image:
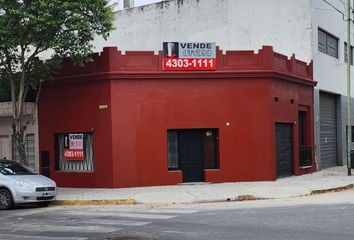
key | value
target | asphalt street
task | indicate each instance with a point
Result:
(328, 216)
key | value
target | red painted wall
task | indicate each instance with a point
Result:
(142, 112)
(130, 137)
(70, 108)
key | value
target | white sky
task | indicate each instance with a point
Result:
(144, 2)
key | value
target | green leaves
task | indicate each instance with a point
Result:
(65, 27)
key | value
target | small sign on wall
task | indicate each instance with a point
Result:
(74, 147)
(179, 56)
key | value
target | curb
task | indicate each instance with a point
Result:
(95, 202)
(336, 189)
(131, 201)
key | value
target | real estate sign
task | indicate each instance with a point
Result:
(179, 56)
(74, 147)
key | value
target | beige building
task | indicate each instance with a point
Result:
(7, 147)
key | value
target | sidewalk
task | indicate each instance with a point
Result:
(332, 179)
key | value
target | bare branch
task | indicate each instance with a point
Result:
(35, 106)
(12, 84)
(34, 54)
(21, 91)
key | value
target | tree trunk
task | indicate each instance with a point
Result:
(19, 135)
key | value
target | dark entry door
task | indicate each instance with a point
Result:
(284, 149)
(190, 151)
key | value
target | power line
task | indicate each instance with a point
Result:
(336, 9)
(344, 3)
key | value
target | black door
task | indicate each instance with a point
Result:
(190, 151)
(284, 149)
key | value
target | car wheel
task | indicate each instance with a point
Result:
(6, 201)
(43, 204)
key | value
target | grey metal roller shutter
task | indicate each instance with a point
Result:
(284, 149)
(328, 130)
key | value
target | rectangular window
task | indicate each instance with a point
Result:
(172, 144)
(74, 152)
(29, 149)
(305, 147)
(345, 53)
(327, 43)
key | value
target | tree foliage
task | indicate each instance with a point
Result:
(34, 30)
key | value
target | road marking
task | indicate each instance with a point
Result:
(99, 221)
(16, 237)
(34, 211)
(174, 232)
(58, 228)
(126, 215)
(174, 211)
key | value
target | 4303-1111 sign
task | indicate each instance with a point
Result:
(189, 64)
(189, 56)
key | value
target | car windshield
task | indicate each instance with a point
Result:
(14, 168)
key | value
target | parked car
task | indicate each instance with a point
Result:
(19, 185)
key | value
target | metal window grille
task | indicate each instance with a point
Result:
(85, 165)
(29, 148)
(327, 43)
(305, 156)
(345, 53)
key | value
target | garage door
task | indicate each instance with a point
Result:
(328, 130)
(284, 149)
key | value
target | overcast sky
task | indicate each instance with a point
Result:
(143, 2)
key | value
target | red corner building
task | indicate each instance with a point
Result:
(121, 121)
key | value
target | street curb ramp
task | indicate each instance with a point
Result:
(95, 202)
(335, 189)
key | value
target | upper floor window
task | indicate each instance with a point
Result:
(327, 43)
(345, 53)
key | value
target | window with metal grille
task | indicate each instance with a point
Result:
(80, 159)
(29, 148)
(327, 43)
(345, 53)
(305, 147)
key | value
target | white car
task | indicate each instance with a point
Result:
(20, 185)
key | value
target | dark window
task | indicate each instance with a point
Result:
(305, 148)
(209, 141)
(352, 133)
(172, 149)
(74, 152)
(327, 43)
(345, 53)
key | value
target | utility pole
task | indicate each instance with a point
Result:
(349, 126)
